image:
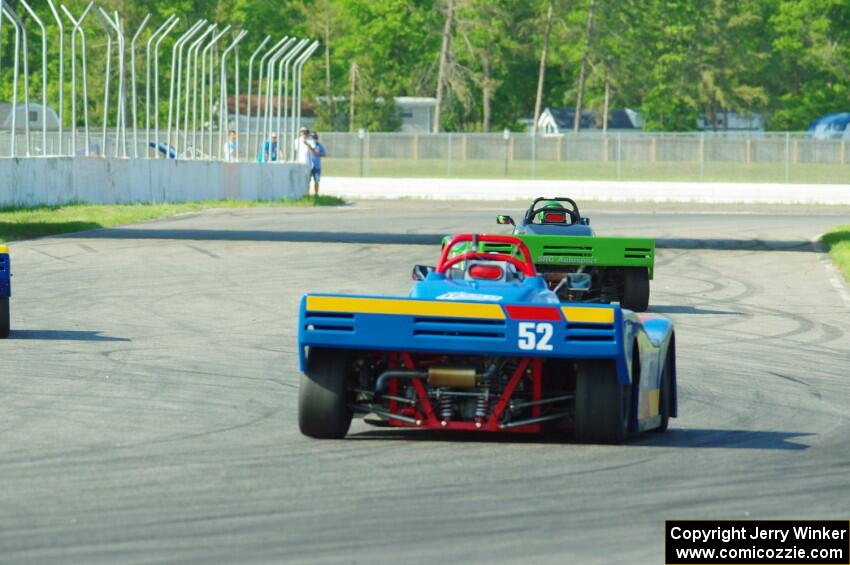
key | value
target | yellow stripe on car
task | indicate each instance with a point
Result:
(4, 249)
(405, 307)
(583, 315)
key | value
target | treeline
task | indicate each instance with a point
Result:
(673, 60)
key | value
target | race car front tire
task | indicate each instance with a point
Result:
(5, 324)
(635, 294)
(323, 410)
(602, 406)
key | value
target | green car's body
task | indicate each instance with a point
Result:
(591, 251)
(578, 264)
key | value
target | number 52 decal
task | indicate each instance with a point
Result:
(535, 336)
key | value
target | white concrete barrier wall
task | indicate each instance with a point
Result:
(58, 180)
(613, 191)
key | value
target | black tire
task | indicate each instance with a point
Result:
(5, 324)
(323, 410)
(603, 405)
(635, 294)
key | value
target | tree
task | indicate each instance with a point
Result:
(444, 56)
(325, 19)
(584, 60)
(542, 72)
(810, 62)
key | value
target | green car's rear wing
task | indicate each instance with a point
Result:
(595, 251)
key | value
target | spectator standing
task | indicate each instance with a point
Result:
(305, 146)
(316, 153)
(231, 149)
(271, 150)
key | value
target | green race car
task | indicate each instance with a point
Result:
(578, 264)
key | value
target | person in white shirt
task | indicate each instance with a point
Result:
(305, 145)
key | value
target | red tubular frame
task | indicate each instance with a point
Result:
(526, 265)
(530, 366)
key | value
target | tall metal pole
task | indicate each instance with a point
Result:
(208, 49)
(5, 11)
(270, 79)
(288, 138)
(312, 50)
(236, 88)
(122, 83)
(279, 60)
(193, 49)
(282, 86)
(39, 23)
(121, 112)
(156, 86)
(133, 79)
(213, 54)
(250, 76)
(296, 85)
(108, 31)
(78, 28)
(172, 100)
(263, 59)
(178, 46)
(20, 24)
(203, 57)
(61, 70)
(168, 22)
(203, 93)
(222, 122)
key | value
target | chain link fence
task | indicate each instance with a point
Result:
(759, 157)
(766, 157)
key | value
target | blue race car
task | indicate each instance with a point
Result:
(482, 344)
(5, 291)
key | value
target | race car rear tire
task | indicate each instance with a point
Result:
(635, 294)
(665, 401)
(603, 405)
(323, 410)
(5, 324)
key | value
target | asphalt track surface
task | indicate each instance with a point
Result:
(150, 383)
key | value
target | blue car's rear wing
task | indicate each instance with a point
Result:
(582, 331)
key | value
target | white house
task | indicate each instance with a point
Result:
(417, 113)
(560, 120)
(732, 121)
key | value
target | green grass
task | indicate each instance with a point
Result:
(804, 173)
(27, 222)
(838, 241)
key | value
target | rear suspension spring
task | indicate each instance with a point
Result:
(445, 403)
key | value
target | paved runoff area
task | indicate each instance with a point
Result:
(150, 391)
